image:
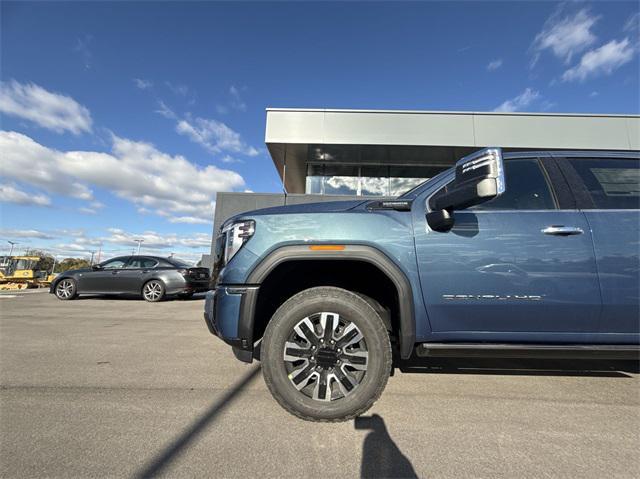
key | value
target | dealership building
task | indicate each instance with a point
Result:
(325, 155)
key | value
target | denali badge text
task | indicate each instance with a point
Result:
(500, 297)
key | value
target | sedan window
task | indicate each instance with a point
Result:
(114, 264)
(137, 263)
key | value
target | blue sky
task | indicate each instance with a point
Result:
(123, 120)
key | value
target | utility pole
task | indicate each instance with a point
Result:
(12, 243)
(55, 260)
(91, 262)
(138, 241)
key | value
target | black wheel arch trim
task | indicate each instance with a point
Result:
(351, 252)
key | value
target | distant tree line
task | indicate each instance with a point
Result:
(47, 260)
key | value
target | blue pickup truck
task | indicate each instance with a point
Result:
(512, 255)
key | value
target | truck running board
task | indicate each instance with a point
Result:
(550, 351)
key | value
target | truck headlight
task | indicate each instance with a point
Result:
(235, 235)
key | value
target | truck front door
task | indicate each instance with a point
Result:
(517, 268)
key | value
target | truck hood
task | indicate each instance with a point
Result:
(304, 208)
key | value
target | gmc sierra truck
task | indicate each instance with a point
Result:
(521, 254)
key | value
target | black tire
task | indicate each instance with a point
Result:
(153, 291)
(351, 308)
(66, 289)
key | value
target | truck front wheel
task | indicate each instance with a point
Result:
(326, 355)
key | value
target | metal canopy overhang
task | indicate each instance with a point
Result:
(296, 136)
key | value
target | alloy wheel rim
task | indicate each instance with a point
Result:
(152, 290)
(326, 356)
(65, 288)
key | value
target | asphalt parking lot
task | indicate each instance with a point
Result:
(120, 387)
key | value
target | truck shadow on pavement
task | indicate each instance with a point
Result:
(165, 457)
(521, 367)
(381, 457)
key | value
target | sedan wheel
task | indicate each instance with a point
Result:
(153, 291)
(66, 289)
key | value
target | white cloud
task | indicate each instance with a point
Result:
(593, 94)
(82, 47)
(171, 186)
(236, 100)
(29, 162)
(565, 35)
(142, 84)
(214, 136)
(633, 23)
(53, 111)
(189, 220)
(11, 194)
(153, 240)
(602, 60)
(230, 159)
(523, 100)
(92, 208)
(494, 64)
(115, 242)
(178, 89)
(29, 234)
(165, 111)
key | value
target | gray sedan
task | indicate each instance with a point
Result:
(152, 277)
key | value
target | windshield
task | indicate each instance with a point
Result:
(413, 192)
(25, 264)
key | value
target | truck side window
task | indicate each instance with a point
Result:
(612, 183)
(527, 188)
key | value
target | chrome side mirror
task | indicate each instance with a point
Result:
(479, 178)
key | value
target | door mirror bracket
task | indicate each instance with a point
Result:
(440, 220)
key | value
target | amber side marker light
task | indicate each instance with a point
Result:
(326, 247)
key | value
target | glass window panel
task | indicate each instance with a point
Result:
(340, 170)
(314, 185)
(374, 171)
(414, 171)
(114, 264)
(137, 263)
(398, 186)
(526, 188)
(612, 183)
(340, 185)
(370, 186)
(315, 169)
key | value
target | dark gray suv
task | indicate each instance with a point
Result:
(152, 277)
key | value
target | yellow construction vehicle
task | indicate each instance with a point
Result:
(21, 272)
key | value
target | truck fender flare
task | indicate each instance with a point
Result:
(351, 252)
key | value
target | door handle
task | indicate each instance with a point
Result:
(562, 230)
